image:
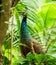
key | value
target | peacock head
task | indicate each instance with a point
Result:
(24, 13)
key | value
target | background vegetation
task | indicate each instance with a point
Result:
(42, 26)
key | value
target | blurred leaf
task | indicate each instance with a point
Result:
(48, 14)
(5, 60)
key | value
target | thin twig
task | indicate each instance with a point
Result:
(47, 47)
(11, 39)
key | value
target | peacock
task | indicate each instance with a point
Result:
(31, 45)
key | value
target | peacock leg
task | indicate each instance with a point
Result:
(32, 48)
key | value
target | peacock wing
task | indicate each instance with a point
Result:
(36, 47)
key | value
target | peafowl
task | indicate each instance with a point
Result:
(32, 45)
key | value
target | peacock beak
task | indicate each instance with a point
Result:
(24, 13)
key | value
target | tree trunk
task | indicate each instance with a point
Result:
(5, 6)
(4, 17)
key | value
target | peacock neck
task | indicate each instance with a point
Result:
(24, 28)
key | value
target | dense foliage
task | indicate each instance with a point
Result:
(42, 26)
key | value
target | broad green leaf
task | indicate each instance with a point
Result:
(48, 14)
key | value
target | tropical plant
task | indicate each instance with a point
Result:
(42, 26)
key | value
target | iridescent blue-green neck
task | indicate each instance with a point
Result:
(24, 28)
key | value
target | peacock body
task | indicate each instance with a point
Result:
(25, 38)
